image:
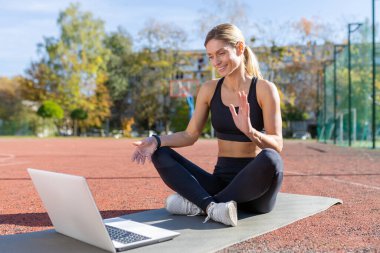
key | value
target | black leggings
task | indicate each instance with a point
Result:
(252, 182)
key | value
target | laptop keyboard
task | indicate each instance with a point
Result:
(124, 236)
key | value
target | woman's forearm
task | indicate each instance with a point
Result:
(179, 139)
(266, 140)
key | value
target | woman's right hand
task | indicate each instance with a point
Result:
(144, 150)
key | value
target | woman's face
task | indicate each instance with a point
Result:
(224, 57)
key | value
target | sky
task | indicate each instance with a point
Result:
(24, 23)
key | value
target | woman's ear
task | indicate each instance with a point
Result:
(240, 47)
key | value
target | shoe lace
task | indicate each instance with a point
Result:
(193, 209)
(210, 212)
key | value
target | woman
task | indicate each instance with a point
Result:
(249, 169)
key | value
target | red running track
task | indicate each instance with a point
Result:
(121, 187)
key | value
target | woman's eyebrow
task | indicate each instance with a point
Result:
(217, 51)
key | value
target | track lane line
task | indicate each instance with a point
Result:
(7, 157)
(338, 180)
(11, 164)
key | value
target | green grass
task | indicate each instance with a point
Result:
(355, 144)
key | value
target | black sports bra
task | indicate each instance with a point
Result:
(221, 118)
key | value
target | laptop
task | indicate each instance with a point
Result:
(73, 212)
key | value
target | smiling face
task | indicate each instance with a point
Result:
(224, 57)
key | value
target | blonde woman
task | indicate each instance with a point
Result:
(245, 113)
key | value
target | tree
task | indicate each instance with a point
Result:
(148, 89)
(78, 115)
(73, 66)
(16, 118)
(228, 11)
(158, 64)
(122, 67)
(10, 101)
(296, 68)
(361, 83)
(157, 35)
(49, 110)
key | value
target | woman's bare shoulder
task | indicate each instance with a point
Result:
(265, 87)
(263, 84)
(266, 90)
(207, 90)
(210, 84)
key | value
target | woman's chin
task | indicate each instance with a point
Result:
(223, 73)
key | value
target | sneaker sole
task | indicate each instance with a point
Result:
(177, 197)
(232, 211)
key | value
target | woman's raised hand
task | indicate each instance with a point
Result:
(144, 150)
(242, 119)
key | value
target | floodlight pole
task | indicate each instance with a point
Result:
(336, 48)
(355, 26)
(373, 78)
(325, 97)
(324, 102)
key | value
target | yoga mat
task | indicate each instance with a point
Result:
(195, 235)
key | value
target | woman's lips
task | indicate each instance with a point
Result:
(222, 68)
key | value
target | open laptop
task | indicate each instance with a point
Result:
(73, 212)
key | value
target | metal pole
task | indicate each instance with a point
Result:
(336, 47)
(324, 101)
(349, 85)
(373, 78)
(319, 125)
(335, 102)
(357, 25)
(318, 102)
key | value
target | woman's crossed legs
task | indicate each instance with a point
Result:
(254, 187)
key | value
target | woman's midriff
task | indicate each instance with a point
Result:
(237, 149)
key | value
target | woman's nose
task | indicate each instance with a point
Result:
(216, 61)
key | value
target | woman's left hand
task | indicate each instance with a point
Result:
(242, 119)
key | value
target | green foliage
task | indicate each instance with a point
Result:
(79, 114)
(121, 65)
(292, 113)
(72, 68)
(154, 67)
(10, 101)
(85, 68)
(50, 109)
(180, 116)
(15, 117)
(297, 69)
(361, 92)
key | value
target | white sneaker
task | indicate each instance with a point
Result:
(176, 204)
(225, 213)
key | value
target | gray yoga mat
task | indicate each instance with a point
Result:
(195, 235)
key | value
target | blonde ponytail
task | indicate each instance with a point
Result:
(251, 64)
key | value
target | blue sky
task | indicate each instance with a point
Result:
(24, 23)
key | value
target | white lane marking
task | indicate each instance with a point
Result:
(294, 173)
(353, 183)
(11, 164)
(5, 157)
(338, 180)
